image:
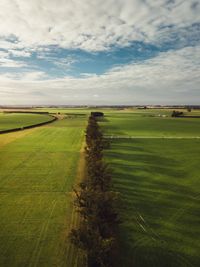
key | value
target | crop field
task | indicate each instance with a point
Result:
(15, 120)
(155, 162)
(156, 171)
(37, 170)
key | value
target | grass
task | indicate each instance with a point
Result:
(158, 180)
(16, 120)
(140, 124)
(37, 170)
(159, 184)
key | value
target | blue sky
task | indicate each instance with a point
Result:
(94, 52)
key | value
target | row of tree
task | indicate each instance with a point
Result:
(96, 202)
(176, 113)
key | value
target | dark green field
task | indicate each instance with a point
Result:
(159, 182)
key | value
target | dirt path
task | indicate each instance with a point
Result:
(149, 137)
(70, 253)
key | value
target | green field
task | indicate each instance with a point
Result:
(37, 170)
(159, 182)
(155, 161)
(139, 124)
(17, 120)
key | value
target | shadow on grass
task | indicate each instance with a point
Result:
(159, 210)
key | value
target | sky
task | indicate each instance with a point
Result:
(113, 52)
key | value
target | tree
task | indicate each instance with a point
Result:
(96, 202)
(176, 113)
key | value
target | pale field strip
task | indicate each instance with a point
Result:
(149, 137)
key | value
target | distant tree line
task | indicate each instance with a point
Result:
(96, 202)
(26, 111)
(177, 113)
(29, 126)
(97, 114)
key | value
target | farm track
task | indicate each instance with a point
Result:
(73, 258)
(151, 236)
(149, 137)
(43, 233)
(183, 210)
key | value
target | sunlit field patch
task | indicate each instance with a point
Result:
(37, 171)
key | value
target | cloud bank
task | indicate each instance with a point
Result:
(95, 25)
(170, 78)
(33, 72)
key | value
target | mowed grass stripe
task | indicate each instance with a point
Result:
(37, 171)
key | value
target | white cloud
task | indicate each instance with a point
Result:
(94, 25)
(34, 25)
(5, 61)
(4, 54)
(63, 62)
(170, 78)
(21, 77)
(9, 63)
(33, 76)
(19, 53)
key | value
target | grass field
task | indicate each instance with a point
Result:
(15, 120)
(37, 170)
(143, 124)
(159, 182)
(156, 173)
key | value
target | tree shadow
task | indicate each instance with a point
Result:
(155, 204)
